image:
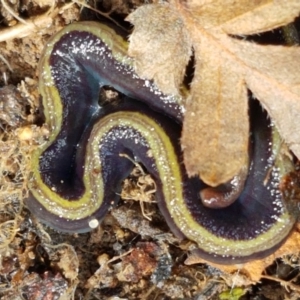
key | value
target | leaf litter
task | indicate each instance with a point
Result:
(216, 125)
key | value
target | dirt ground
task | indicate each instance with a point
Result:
(129, 256)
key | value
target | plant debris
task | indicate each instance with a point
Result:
(216, 125)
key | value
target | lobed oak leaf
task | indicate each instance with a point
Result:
(216, 130)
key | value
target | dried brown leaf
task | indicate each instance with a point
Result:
(243, 16)
(270, 72)
(160, 45)
(215, 130)
(274, 80)
(266, 16)
(213, 85)
(211, 14)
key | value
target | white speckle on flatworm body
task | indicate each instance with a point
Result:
(86, 47)
(124, 132)
(94, 223)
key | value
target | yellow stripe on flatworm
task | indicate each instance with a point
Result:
(169, 171)
(53, 106)
(221, 246)
(162, 151)
(50, 94)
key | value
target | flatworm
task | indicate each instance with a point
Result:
(76, 174)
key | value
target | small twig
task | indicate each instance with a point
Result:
(31, 25)
(5, 79)
(136, 164)
(12, 12)
(119, 256)
(6, 62)
(23, 30)
(284, 283)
